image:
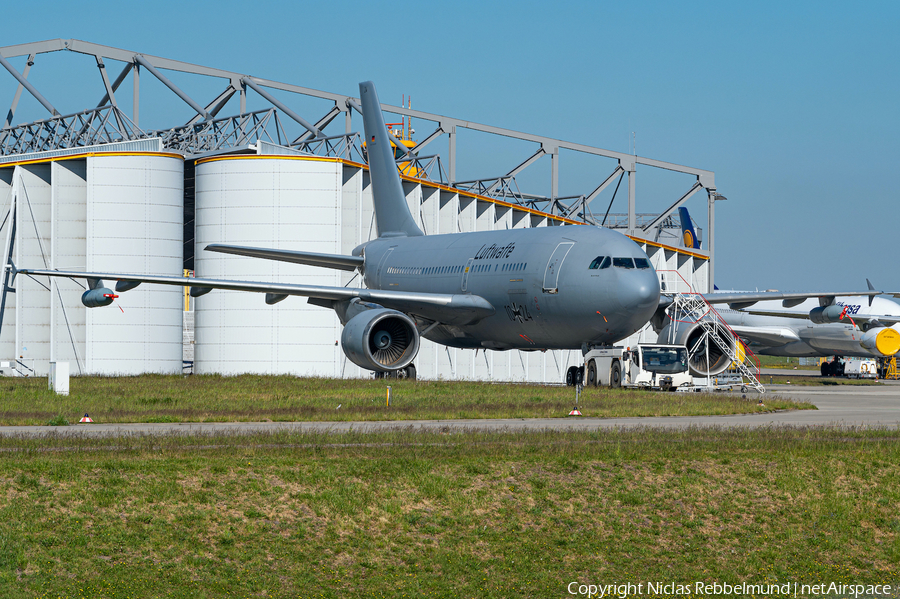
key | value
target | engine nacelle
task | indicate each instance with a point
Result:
(380, 339)
(824, 315)
(97, 298)
(882, 341)
(705, 356)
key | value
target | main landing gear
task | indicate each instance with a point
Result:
(833, 368)
(404, 373)
(574, 375)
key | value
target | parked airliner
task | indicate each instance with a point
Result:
(557, 287)
(533, 289)
(828, 325)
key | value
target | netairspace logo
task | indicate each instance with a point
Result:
(718, 589)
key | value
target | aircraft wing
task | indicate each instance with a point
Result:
(337, 261)
(738, 300)
(456, 309)
(885, 319)
(771, 336)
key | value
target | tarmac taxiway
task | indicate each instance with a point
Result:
(838, 405)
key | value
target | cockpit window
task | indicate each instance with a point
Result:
(623, 262)
(597, 262)
(600, 262)
(642, 263)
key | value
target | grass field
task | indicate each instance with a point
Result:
(436, 515)
(784, 362)
(198, 398)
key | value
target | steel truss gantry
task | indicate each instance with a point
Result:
(205, 132)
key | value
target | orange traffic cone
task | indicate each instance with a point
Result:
(85, 419)
(575, 412)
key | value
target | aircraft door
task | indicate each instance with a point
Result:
(551, 274)
(465, 276)
(381, 266)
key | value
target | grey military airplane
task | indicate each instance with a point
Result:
(533, 289)
(570, 287)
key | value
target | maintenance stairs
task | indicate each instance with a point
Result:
(890, 371)
(692, 308)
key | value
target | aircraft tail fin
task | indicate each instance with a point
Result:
(687, 230)
(392, 215)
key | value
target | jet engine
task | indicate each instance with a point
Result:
(380, 339)
(705, 355)
(882, 341)
(824, 315)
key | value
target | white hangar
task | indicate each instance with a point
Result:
(91, 190)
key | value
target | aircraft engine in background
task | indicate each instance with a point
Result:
(881, 341)
(380, 339)
(825, 315)
(705, 356)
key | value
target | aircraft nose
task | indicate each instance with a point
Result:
(640, 293)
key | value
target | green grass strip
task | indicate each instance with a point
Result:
(445, 515)
(211, 398)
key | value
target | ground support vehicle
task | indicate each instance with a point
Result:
(860, 368)
(661, 367)
(726, 381)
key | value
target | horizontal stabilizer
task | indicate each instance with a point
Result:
(337, 261)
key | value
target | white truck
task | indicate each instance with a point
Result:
(645, 366)
(860, 368)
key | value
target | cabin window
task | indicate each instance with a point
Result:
(623, 262)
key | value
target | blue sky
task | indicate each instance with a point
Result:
(795, 106)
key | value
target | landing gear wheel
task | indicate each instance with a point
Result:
(615, 376)
(410, 372)
(592, 374)
(379, 374)
(579, 376)
(570, 376)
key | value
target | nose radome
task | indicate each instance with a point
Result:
(640, 294)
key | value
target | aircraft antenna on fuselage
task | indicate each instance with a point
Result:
(392, 215)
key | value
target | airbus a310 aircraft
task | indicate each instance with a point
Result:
(536, 288)
(569, 287)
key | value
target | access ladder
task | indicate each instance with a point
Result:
(694, 309)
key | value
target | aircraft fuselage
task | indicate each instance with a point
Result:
(539, 280)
